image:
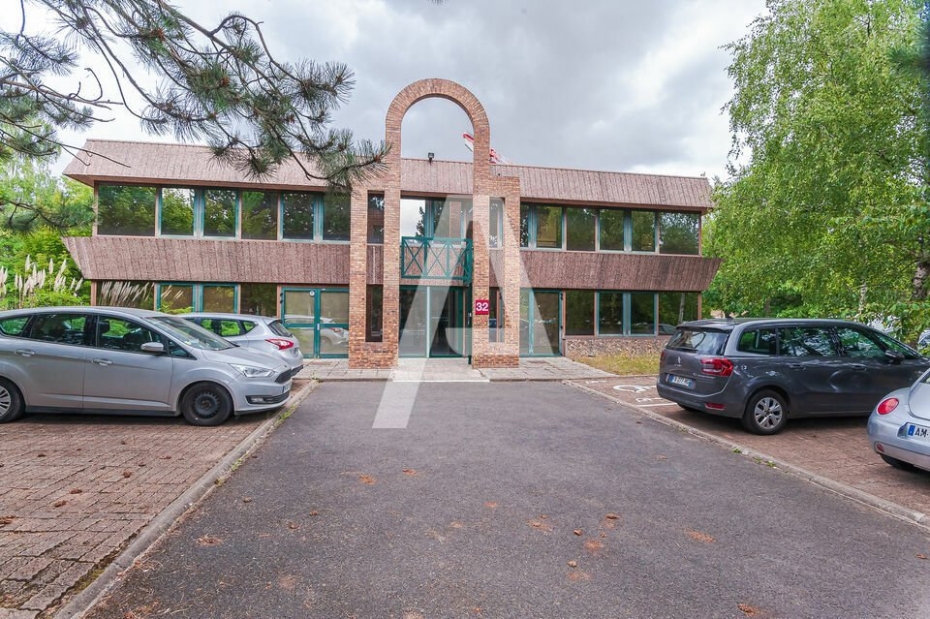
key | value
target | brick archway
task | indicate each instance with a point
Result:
(484, 185)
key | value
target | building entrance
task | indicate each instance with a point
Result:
(433, 322)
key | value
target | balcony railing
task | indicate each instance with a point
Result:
(423, 257)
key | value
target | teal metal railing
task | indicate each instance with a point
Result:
(424, 257)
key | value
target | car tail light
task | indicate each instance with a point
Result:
(717, 366)
(282, 344)
(886, 406)
(713, 406)
(337, 330)
(662, 356)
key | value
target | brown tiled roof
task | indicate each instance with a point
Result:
(147, 162)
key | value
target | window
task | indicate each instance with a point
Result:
(176, 297)
(644, 231)
(642, 313)
(612, 223)
(219, 299)
(679, 233)
(496, 223)
(297, 216)
(260, 215)
(119, 334)
(806, 342)
(59, 328)
(676, 308)
(859, 344)
(219, 212)
(373, 317)
(524, 225)
(126, 210)
(258, 299)
(610, 313)
(336, 217)
(177, 211)
(579, 312)
(757, 341)
(140, 295)
(699, 341)
(375, 219)
(581, 229)
(13, 326)
(222, 327)
(549, 227)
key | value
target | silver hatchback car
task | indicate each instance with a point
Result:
(128, 361)
(263, 333)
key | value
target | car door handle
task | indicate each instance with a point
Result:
(796, 366)
(857, 367)
(25, 352)
(102, 361)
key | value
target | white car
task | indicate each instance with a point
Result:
(263, 333)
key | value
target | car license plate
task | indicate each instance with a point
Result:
(679, 380)
(921, 433)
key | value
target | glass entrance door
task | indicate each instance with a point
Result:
(319, 319)
(540, 322)
(298, 309)
(432, 322)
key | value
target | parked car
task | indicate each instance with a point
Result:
(899, 427)
(263, 333)
(127, 361)
(765, 371)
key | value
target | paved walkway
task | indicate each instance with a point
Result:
(453, 370)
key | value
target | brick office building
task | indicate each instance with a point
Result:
(562, 261)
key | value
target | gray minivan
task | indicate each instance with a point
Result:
(129, 361)
(764, 371)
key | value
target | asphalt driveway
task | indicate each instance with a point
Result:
(500, 500)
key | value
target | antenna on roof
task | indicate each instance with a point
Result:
(470, 145)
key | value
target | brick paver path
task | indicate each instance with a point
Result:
(74, 490)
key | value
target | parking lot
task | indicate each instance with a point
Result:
(836, 449)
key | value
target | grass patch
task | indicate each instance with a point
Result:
(625, 364)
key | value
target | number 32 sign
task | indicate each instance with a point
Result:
(482, 307)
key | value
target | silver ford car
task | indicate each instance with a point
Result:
(129, 361)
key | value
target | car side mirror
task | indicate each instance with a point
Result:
(894, 356)
(153, 347)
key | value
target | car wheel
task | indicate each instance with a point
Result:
(898, 464)
(206, 404)
(11, 402)
(766, 413)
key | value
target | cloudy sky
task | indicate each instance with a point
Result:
(624, 85)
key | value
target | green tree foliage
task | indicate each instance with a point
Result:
(218, 84)
(31, 197)
(824, 213)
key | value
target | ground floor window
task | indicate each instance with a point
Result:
(179, 298)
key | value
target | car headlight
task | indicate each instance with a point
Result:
(252, 372)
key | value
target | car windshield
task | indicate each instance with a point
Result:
(190, 334)
(699, 340)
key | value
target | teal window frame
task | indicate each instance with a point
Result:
(532, 217)
(627, 313)
(197, 293)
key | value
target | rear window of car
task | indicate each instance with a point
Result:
(699, 340)
(247, 325)
(277, 327)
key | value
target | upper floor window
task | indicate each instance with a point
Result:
(126, 210)
(580, 229)
(376, 218)
(679, 233)
(260, 215)
(297, 216)
(337, 217)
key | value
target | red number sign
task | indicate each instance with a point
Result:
(482, 307)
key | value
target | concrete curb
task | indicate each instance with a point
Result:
(162, 523)
(892, 509)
